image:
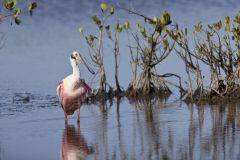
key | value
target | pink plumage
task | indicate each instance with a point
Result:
(71, 103)
(73, 91)
(74, 145)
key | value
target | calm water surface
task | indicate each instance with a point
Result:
(34, 59)
(154, 129)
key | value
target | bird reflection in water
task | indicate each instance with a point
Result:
(74, 146)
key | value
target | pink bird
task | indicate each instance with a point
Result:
(74, 145)
(72, 90)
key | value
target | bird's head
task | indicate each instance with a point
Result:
(76, 56)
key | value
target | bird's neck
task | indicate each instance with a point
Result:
(76, 72)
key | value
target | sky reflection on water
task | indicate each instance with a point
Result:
(155, 129)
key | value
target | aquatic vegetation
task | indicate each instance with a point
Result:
(217, 47)
(95, 45)
(153, 39)
(151, 46)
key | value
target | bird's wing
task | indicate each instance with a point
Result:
(87, 87)
(59, 87)
(60, 91)
(82, 88)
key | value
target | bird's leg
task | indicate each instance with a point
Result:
(78, 126)
(78, 115)
(66, 123)
(65, 116)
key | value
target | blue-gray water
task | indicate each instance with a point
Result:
(34, 59)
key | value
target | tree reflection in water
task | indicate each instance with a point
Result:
(154, 131)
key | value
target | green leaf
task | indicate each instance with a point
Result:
(6, 3)
(165, 18)
(175, 35)
(81, 30)
(226, 20)
(112, 10)
(109, 34)
(96, 20)
(118, 28)
(227, 28)
(17, 21)
(10, 5)
(237, 19)
(92, 37)
(13, 4)
(218, 25)
(137, 25)
(236, 32)
(142, 30)
(108, 31)
(155, 20)
(34, 5)
(126, 25)
(17, 12)
(7, 6)
(107, 28)
(29, 6)
(103, 7)
(226, 23)
(198, 28)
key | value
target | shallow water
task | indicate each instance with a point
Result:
(156, 129)
(34, 59)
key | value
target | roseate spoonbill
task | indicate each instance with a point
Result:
(74, 145)
(72, 90)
